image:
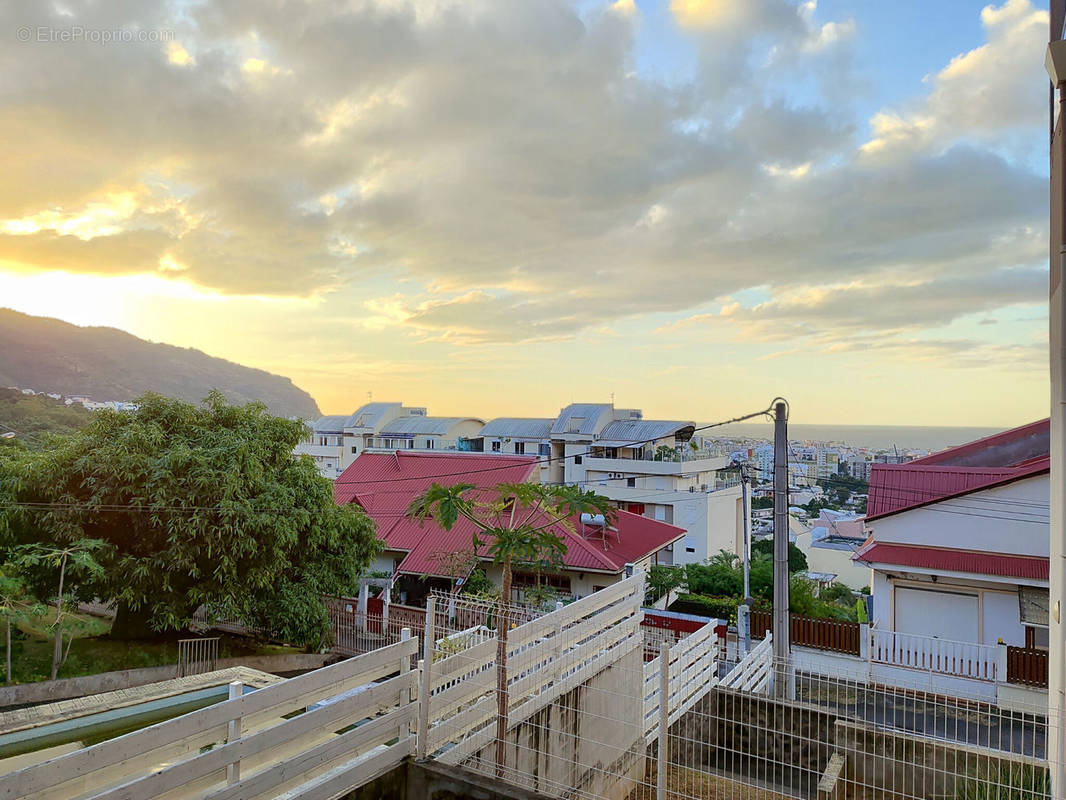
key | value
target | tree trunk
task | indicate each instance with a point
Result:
(501, 670)
(57, 650)
(130, 624)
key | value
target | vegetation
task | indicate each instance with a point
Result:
(762, 502)
(797, 562)
(1006, 781)
(72, 563)
(517, 524)
(716, 587)
(35, 417)
(109, 364)
(195, 505)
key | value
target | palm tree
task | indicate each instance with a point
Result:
(514, 524)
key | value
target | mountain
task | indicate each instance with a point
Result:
(108, 364)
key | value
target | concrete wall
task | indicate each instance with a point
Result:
(785, 744)
(590, 739)
(66, 688)
(907, 766)
(415, 780)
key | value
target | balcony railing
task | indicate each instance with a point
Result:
(1027, 666)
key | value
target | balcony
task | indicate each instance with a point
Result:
(694, 461)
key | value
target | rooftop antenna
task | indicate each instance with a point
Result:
(612, 399)
(369, 397)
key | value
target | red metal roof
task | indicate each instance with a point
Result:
(946, 559)
(992, 461)
(385, 484)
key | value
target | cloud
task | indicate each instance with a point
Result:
(981, 94)
(502, 172)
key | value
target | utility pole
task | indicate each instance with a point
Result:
(1056, 745)
(783, 687)
(744, 613)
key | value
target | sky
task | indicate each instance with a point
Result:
(496, 209)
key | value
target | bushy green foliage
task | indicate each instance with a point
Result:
(703, 606)
(762, 502)
(797, 562)
(661, 579)
(198, 505)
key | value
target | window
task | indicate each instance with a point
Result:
(577, 459)
(520, 448)
(544, 449)
(690, 549)
(495, 447)
(635, 508)
(631, 482)
(429, 444)
(354, 449)
(612, 452)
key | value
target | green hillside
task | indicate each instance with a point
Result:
(32, 417)
(108, 364)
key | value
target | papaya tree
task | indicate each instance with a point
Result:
(513, 524)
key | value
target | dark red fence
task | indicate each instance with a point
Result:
(822, 634)
(1027, 666)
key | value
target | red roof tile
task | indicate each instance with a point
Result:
(946, 559)
(992, 461)
(384, 484)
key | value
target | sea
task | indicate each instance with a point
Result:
(873, 437)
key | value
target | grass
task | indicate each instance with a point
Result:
(92, 652)
(683, 783)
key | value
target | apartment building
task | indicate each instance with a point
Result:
(334, 442)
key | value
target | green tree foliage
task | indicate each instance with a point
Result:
(73, 563)
(198, 505)
(797, 562)
(762, 502)
(517, 524)
(661, 579)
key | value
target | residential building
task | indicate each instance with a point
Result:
(417, 554)
(959, 541)
(655, 468)
(334, 442)
(514, 436)
(829, 544)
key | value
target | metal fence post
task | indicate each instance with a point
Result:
(664, 720)
(427, 677)
(557, 648)
(233, 769)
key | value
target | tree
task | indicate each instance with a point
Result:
(80, 559)
(200, 506)
(762, 502)
(797, 562)
(662, 579)
(513, 524)
(16, 603)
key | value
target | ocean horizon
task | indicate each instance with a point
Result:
(878, 437)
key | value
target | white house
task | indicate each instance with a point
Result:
(829, 544)
(958, 541)
(334, 442)
(655, 468)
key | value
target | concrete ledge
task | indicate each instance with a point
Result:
(43, 714)
(66, 688)
(830, 786)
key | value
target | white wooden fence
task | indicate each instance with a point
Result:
(962, 659)
(245, 747)
(547, 657)
(752, 673)
(692, 672)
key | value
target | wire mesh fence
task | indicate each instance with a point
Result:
(575, 709)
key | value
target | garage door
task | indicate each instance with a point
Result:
(947, 615)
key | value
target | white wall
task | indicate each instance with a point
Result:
(994, 520)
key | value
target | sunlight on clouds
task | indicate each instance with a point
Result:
(627, 8)
(706, 13)
(779, 171)
(100, 218)
(179, 56)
